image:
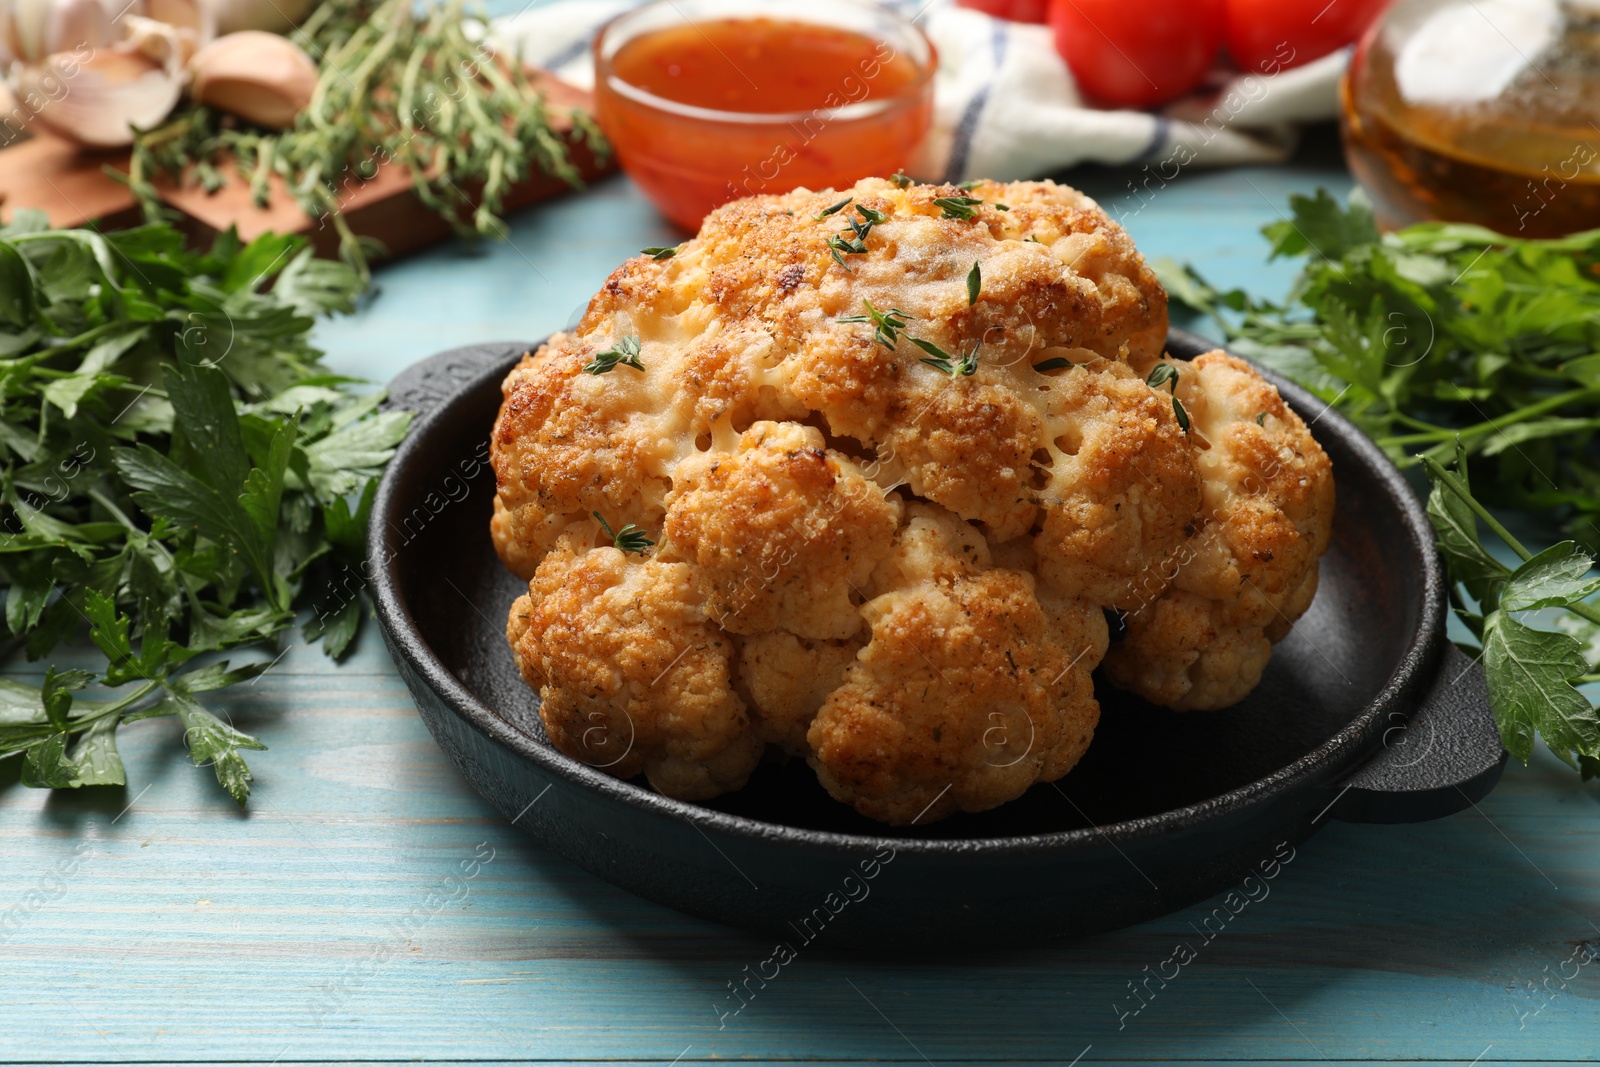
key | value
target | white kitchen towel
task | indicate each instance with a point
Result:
(1006, 106)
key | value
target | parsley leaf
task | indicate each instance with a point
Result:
(215, 743)
(1553, 578)
(1529, 673)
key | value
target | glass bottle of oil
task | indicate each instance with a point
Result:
(1483, 111)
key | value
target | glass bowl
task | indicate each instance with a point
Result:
(689, 159)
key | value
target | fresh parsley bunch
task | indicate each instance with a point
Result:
(179, 476)
(1445, 341)
(1435, 332)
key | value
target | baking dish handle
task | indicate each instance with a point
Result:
(1442, 757)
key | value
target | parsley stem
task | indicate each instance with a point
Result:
(111, 709)
(1549, 403)
(1459, 488)
(117, 513)
(132, 698)
(84, 339)
(1452, 482)
(1419, 424)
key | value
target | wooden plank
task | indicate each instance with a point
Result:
(187, 931)
(304, 929)
(51, 174)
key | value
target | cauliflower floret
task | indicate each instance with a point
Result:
(971, 450)
(1267, 512)
(1179, 654)
(567, 443)
(885, 461)
(1133, 306)
(782, 532)
(521, 560)
(968, 692)
(631, 676)
(523, 536)
(1250, 569)
(787, 678)
(1122, 489)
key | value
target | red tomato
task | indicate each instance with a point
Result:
(1267, 36)
(1015, 10)
(1138, 53)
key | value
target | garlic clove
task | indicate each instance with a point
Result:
(274, 16)
(184, 15)
(256, 75)
(98, 101)
(192, 20)
(31, 30)
(160, 42)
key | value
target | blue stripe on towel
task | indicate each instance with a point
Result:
(572, 51)
(1158, 140)
(961, 145)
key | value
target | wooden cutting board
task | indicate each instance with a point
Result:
(71, 186)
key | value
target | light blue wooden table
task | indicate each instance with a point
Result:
(159, 924)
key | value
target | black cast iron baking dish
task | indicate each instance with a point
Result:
(1367, 713)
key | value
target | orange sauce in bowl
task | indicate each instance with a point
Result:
(701, 113)
(756, 65)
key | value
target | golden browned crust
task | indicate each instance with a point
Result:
(1122, 487)
(1178, 652)
(969, 690)
(787, 678)
(1133, 305)
(631, 676)
(862, 553)
(1250, 568)
(782, 532)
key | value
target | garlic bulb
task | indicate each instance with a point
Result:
(111, 92)
(258, 76)
(273, 16)
(31, 30)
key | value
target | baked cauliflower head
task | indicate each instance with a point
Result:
(856, 476)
